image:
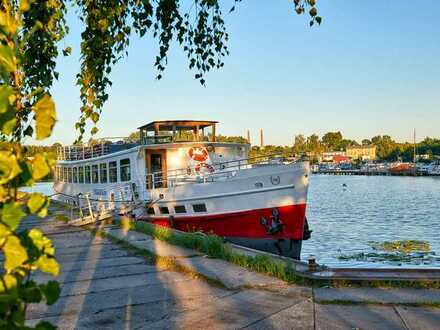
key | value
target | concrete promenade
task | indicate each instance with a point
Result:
(104, 286)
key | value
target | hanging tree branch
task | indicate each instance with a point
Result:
(200, 31)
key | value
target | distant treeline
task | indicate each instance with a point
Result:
(386, 148)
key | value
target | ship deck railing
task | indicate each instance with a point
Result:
(82, 152)
(213, 172)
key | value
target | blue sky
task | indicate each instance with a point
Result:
(372, 67)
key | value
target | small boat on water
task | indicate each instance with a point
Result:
(183, 178)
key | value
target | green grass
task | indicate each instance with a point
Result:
(368, 302)
(214, 247)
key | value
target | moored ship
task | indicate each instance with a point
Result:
(183, 178)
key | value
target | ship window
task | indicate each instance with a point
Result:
(164, 210)
(75, 175)
(103, 170)
(113, 171)
(81, 174)
(95, 178)
(64, 174)
(69, 174)
(179, 209)
(199, 207)
(58, 175)
(87, 174)
(125, 169)
(150, 210)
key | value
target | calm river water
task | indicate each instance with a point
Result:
(372, 208)
(346, 213)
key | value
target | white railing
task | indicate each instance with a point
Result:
(211, 172)
(82, 152)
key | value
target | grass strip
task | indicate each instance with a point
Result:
(379, 303)
(214, 247)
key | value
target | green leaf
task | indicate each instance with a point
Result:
(67, 51)
(9, 167)
(44, 325)
(51, 291)
(31, 295)
(7, 122)
(36, 202)
(7, 97)
(43, 243)
(4, 233)
(40, 168)
(11, 214)
(48, 265)
(45, 116)
(15, 253)
(7, 283)
(7, 60)
(24, 5)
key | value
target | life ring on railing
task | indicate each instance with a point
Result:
(198, 154)
(200, 166)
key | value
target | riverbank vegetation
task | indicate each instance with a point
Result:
(214, 247)
(395, 252)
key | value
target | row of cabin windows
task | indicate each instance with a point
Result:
(96, 173)
(178, 209)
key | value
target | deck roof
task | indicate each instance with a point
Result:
(168, 125)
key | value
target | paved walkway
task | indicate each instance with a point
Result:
(104, 287)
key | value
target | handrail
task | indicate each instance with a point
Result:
(224, 169)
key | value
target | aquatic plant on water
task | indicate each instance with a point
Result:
(401, 251)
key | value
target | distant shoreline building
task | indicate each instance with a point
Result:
(364, 152)
(335, 157)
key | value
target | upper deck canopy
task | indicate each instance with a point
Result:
(177, 130)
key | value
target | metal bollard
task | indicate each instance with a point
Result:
(313, 266)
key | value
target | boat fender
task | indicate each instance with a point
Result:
(209, 167)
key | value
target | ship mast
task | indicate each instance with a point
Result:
(415, 148)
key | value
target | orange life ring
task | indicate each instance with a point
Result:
(198, 154)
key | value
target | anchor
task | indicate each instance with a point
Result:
(274, 225)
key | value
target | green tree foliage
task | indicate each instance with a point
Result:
(29, 32)
(332, 140)
(299, 145)
(230, 139)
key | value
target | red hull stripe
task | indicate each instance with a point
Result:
(240, 224)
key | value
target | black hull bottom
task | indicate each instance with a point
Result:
(284, 247)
